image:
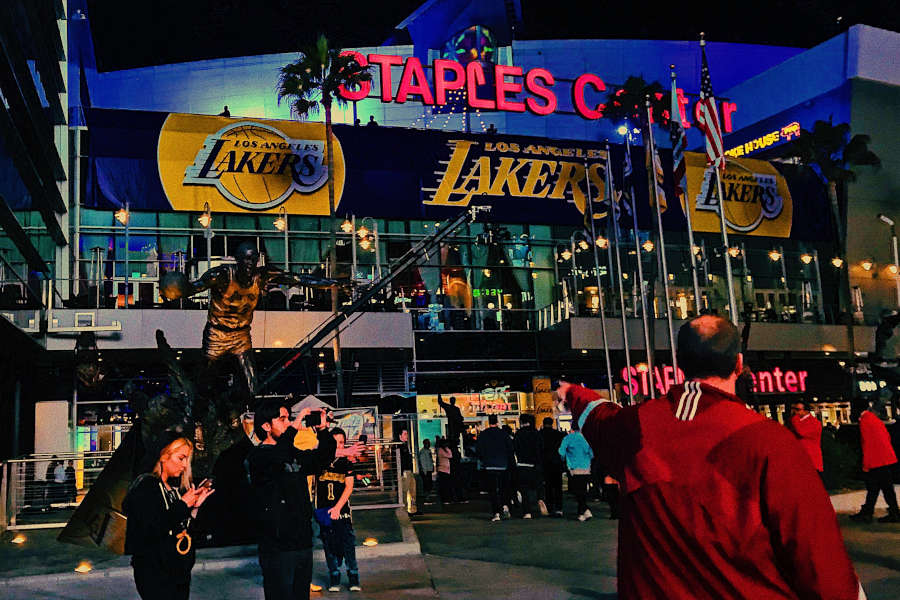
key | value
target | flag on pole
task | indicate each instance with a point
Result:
(679, 142)
(660, 175)
(708, 116)
(627, 171)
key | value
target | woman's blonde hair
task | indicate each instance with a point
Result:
(167, 451)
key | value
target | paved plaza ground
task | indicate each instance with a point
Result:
(463, 555)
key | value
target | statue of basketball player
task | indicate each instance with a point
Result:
(234, 292)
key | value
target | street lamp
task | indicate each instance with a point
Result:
(205, 221)
(896, 266)
(123, 216)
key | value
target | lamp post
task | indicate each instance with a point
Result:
(205, 221)
(123, 215)
(281, 224)
(896, 270)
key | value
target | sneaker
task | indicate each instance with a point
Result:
(890, 518)
(334, 583)
(506, 514)
(557, 513)
(526, 516)
(542, 506)
(495, 518)
(588, 513)
(861, 517)
(354, 582)
(585, 516)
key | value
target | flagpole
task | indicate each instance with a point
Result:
(676, 114)
(589, 210)
(645, 318)
(614, 220)
(729, 276)
(662, 241)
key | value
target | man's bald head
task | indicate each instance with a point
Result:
(708, 346)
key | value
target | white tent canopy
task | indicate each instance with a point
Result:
(310, 402)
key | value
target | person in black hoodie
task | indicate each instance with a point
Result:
(159, 517)
(529, 459)
(553, 466)
(282, 508)
(494, 450)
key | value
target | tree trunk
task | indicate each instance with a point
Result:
(332, 259)
(844, 293)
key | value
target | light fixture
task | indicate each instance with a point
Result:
(370, 541)
(84, 567)
(487, 272)
(892, 269)
(749, 278)
(622, 130)
(365, 243)
(347, 226)
(642, 367)
(867, 264)
(774, 255)
(490, 305)
(624, 275)
(583, 351)
(566, 254)
(709, 276)
(734, 252)
(19, 539)
(583, 244)
(602, 242)
(205, 219)
(696, 249)
(280, 223)
(806, 258)
(122, 215)
(362, 232)
(838, 262)
(647, 246)
(534, 275)
(321, 365)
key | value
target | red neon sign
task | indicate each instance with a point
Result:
(773, 381)
(509, 81)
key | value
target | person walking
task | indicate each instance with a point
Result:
(407, 474)
(529, 455)
(334, 485)
(160, 506)
(878, 459)
(426, 466)
(553, 466)
(281, 504)
(577, 454)
(808, 430)
(494, 450)
(722, 502)
(444, 456)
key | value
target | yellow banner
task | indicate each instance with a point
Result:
(239, 165)
(757, 199)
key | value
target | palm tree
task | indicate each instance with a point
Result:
(311, 84)
(830, 152)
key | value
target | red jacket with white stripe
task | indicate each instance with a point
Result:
(809, 431)
(877, 450)
(718, 502)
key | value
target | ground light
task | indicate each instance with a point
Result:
(18, 539)
(84, 567)
(370, 541)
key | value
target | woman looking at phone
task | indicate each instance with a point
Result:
(160, 506)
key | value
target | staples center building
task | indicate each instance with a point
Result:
(464, 114)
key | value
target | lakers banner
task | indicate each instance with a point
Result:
(246, 164)
(757, 198)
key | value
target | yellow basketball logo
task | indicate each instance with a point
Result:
(248, 165)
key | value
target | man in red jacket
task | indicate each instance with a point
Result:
(877, 459)
(717, 501)
(808, 430)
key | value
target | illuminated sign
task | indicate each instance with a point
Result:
(491, 400)
(516, 170)
(664, 377)
(785, 134)
(757, 199)
(509, 82)
(253, 165)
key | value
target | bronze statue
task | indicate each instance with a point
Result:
(234, 292)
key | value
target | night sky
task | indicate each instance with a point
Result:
(181, 30)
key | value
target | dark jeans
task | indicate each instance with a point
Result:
(152, 584)
(880, 480)
(578, 485)
(553, 488)
(529, 481)
(427, 481)
(287, 574)
(445, 487)
(493, 484)
(339, 543)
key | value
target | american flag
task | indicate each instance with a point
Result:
(679, 141)
(627, 184)
(709, 117)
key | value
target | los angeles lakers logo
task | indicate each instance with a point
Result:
(254, 165)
